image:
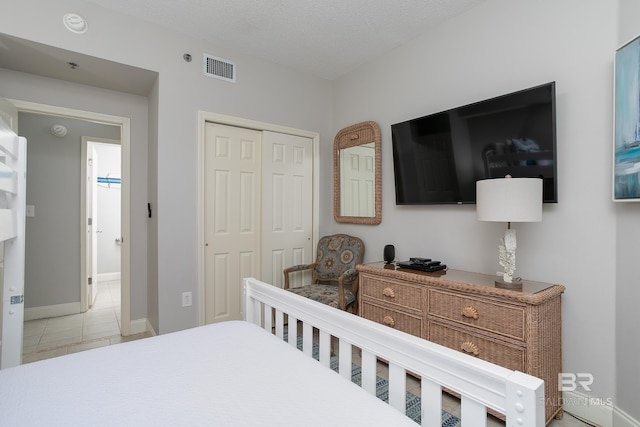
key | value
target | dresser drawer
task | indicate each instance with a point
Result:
(500, 353)
(400, 321)
(501, 318)
(392, 291)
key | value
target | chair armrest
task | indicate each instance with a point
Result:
(350, 274)
(300, 267)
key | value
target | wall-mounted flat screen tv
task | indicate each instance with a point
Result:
(438, 158)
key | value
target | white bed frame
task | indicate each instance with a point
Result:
(13, 169)
(480, 384)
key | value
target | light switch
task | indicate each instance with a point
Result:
(187, 299)
(30, 211)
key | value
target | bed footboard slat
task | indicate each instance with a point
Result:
(325, 348)
(344, 359)
(279, 324)
(431, 398)
(292, 331)
(473, 412)
(268, 318)
(253, 312)
(369, 372)
(307, 339)
(397, 386)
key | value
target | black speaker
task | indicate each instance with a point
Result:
(389, 253)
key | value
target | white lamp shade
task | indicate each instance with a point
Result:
(509, 200)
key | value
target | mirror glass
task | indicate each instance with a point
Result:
(357, 197)
(357, 180)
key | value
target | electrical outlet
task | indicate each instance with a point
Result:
(187, 299)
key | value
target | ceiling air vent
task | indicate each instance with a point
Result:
(219, 68)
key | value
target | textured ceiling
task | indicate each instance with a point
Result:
(327, 38)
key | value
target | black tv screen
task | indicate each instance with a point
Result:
(438, 158)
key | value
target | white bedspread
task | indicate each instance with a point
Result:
(227, 374)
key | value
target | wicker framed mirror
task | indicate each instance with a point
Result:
(357, 182)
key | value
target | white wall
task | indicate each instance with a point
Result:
(263, 92)
(499, 47)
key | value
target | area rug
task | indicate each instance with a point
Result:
(413, 407)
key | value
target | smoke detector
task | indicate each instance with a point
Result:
(58, 130)
(75, 23)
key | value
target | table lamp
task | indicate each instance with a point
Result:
(509, 200)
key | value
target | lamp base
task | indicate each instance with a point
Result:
(516, 284)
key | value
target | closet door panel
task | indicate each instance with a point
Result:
(287, 217)
(231, 217)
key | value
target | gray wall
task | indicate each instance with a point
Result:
(499, 47)
(31, 88)
(52, 270)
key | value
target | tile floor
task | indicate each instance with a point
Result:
(57, 336)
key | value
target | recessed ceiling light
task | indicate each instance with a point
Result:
(75, 23)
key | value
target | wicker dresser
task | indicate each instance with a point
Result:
(520, 330)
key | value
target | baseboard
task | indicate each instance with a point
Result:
(596, 410)
(46, 311)
(150, 329)
(622, 419)
(107, 277)
(140, 326)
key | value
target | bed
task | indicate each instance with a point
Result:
(271, 369)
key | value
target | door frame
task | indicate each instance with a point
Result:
(205, 117)
(125, 141)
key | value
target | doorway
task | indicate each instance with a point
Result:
(102, 182)
(124, 125)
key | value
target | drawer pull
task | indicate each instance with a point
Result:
(388, 292)
(469, 347)
(470, 312)
(388, 320)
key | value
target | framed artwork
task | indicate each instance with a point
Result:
(626, 152)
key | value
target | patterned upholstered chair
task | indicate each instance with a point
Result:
(334, 278)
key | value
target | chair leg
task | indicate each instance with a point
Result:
(355, 308)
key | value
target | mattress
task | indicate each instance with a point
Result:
(226, 374)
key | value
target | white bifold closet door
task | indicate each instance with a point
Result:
(258, 211)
